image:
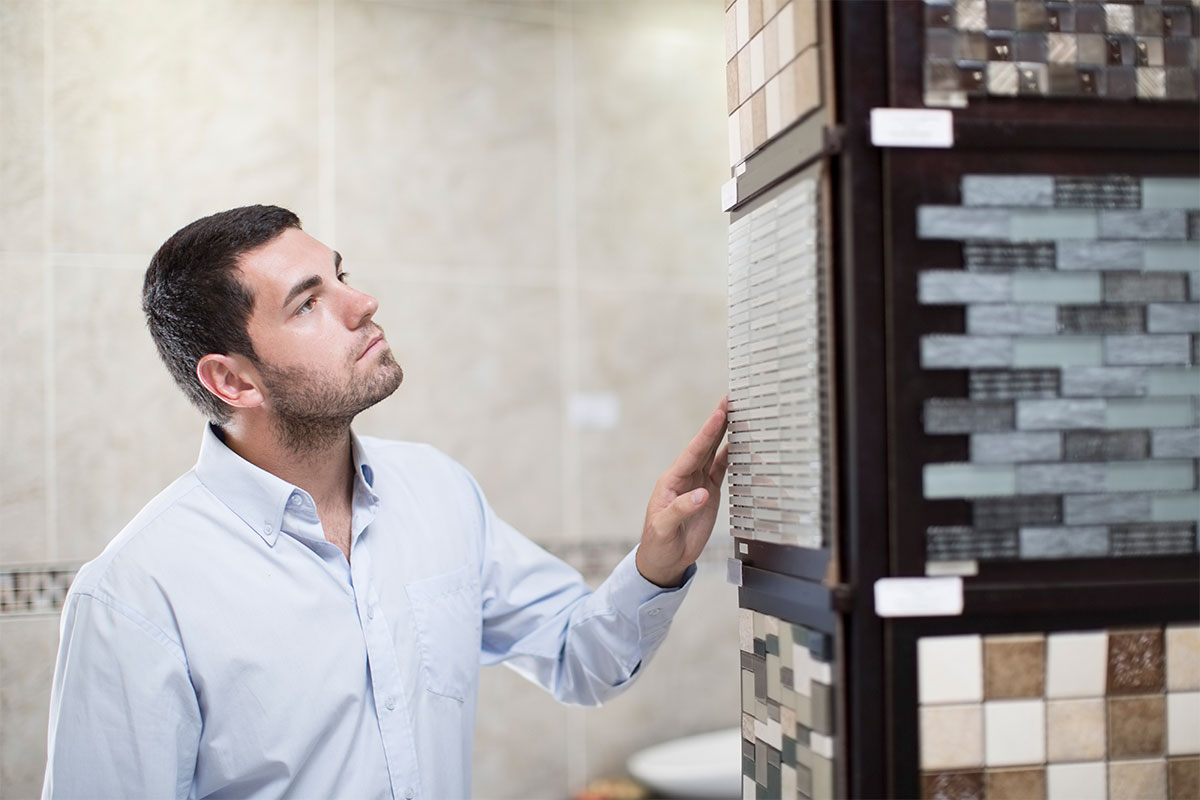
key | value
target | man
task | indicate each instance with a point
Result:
(304, 612)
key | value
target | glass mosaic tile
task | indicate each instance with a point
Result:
(1086, 509)
(961, 543)
(1086, 192)
(1105, 445)
(982, 256)
(967, 416)
(1013, 384)
(1012, 513)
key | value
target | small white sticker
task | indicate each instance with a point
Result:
(595, 411)
(729, 194)
(919, 597)
(912, 127)
(733, 571)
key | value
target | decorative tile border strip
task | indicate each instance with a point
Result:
(34, 590)
(788, 710)
(1111, 713)
(1082, 347)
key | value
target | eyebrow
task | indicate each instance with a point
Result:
(311, 282)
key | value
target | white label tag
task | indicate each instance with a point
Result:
(733, 571)
(919, 597)
(729, 194)
(912, 127)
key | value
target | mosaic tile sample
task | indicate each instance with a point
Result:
(1116, 51)
(1108, 713)
(788, 732)
(35, 591)
(779, 428)
(773, 72)
(1082, 418)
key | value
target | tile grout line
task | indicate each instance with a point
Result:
(49, 344)
(326, 123)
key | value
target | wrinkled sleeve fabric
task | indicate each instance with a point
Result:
(543, 620)
(124, 718)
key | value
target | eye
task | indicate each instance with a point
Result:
(306, 307)
(342, 276)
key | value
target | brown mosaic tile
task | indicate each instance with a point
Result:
(1137, 780)
(1183, 778)
(1135, 662)
(1137, 726)
(1014, 666)
(953, 786)
(1016, 784)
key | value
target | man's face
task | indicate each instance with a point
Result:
(321, 356)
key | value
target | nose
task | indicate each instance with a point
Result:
(361, 307)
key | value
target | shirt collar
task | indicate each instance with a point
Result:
(259, 497)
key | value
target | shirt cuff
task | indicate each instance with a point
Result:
(636, 598)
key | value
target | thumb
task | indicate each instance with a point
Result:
(682, 507)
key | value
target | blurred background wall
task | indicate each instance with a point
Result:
(531, 189)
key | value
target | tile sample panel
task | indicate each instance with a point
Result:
(1115, 51)
(788, 733)
(1083, 380)
(779, 427)
(1062, 714)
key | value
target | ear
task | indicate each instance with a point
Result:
(231, 378)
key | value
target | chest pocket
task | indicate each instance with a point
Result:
(446, 609)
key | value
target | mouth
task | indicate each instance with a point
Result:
(377, 343)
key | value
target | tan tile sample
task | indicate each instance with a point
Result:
(808, 82)
(743, 71)
(1183, 778)
(951, 736)
(758, 117)
(1183, 658)
(1014, 666)
(1137, 780)
(1076, 730)
(806, 23)
(732, 98)
(1137, 726)
(1016, 784)
(1135, 661)
(756, 16)
(953, 786)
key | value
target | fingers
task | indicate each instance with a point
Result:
(682, 507)
(720, 464)
(699, 452)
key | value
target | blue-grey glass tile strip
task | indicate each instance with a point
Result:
(1150, 412)
(968, 480)
(1061, 478)
(1101, 319)
(1104, 381)
(1041, 415)
(1171, 192)
(953, 416)
(1004, 513)
(1116, 191)
(1006, 384)
(1175, 443)
(1007, 190)
(1158, 224)
(1093, 255)
(1171, 256)
(1056, 224)
(1194, 225)
(1086, 541)
(1175, 507)
(1056, 351)
(1173, 318)
(1164, 475)
(1173, 381)
(1146, 349)
(1194, 286)
(1008, 318)
(953, 287)
(1010, 448)
(957, 352)
(956, 222)
(1004, 256)
(1152, 540)
(1106, 445)
(960, 543)
(1141, 288)
(1059, 287)
(1091, 509)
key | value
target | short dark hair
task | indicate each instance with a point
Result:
(193, 300)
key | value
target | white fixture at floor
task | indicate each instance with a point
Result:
(703, 767)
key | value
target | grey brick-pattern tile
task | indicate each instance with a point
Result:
(961, 543)
(1061, 478)
(1159, 539)
(1104, 381)
(1175, 443)
(1090, 509)
(1195, 348)
(1145, 349)
(1004, 513)
(1012, 319)
(1173, 318)
(1085, 541)
(1057, 415)
(1092, 255)
(954, 416)
(1102, 319)
(1113, 191)
(1154, 224)
(1055, 224)
(1007, 190)
(1106, 445)
(1009, 384)
(1194, 225)
(965, 352)
(952, 287)
(1011, 448)
(1194, 286)
(1144, 288)
(956, 222)
(982, 256)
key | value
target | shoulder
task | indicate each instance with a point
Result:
(416, 462)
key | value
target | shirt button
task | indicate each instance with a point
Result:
(654, 612)
(390, 703)
(296, 500)
(370, 612)
(267, 527)
(409, 794)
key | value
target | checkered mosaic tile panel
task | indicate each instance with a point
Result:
(787, 710)
(1082, 344)
(1122, 51)
(34, 590)
(1083, 714)
(773, 74)
(779, 428)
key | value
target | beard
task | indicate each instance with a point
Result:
(312, 410)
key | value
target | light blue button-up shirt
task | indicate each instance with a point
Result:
(221, 647)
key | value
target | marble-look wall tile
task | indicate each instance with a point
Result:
(951, 736)
(1076, 730)
(22, 126)
(1073, 781)
(1076, 664)
(140, 112)
(1183, 777)
(1014, 732)
(1183, 723)
(1183, 657)
(1014, 666)
(1137, 779)
(27, 648)
(1137, 726)
(950, 669)
(1016, 784)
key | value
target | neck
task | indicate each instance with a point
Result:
(321, 464)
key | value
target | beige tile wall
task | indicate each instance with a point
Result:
(531, 189)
